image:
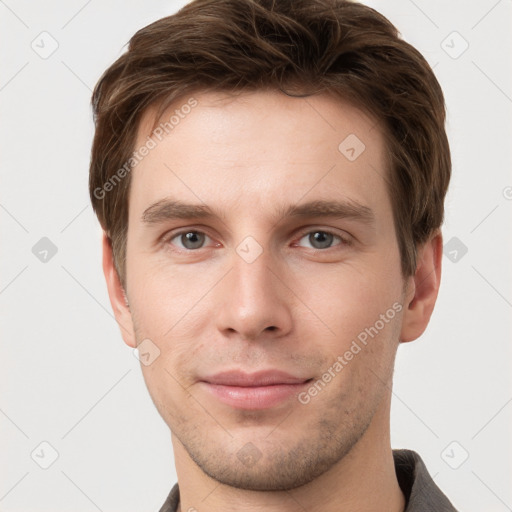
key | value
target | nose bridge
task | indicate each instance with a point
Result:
(252, 258)
(252, 272)
(254, 299)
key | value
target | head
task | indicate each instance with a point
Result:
(270, 179)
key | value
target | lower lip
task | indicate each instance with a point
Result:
(258, 397)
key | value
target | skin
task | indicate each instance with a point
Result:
(297, 307)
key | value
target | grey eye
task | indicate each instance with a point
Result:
(191, 239)
(320, 239)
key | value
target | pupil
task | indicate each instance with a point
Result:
(321, 238)
(192, 240)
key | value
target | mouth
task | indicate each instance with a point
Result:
(252, 391)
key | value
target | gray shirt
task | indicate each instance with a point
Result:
(420, 491)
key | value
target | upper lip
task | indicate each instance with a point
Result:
(261, 378)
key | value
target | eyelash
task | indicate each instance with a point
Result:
(344, 241)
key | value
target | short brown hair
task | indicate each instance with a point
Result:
(309, 46)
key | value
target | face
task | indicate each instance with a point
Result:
(263, 265)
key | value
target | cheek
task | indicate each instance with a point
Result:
(166, 299)
(364, 315)
(350, 298)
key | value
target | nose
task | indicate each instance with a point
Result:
(254, 303)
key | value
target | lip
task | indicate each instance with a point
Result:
(260, 390)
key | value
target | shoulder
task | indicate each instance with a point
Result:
(171, 503)
(421, 492)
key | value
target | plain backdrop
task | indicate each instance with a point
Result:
(72, 394)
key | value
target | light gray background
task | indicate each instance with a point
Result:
(68, 379)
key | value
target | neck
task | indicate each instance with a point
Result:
(364, 480)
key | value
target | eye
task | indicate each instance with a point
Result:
(320, 239)
(189, 240)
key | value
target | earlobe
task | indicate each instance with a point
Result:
(422, 289)
(117, 295)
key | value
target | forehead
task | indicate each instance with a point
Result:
(255, 149)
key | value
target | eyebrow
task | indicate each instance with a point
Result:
(170, 209)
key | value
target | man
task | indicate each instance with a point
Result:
(270, 178)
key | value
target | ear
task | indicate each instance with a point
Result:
(117, 295)
(422, 289)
